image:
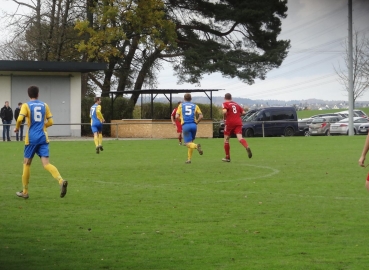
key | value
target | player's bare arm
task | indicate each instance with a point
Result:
(364, 152)
(172, 118)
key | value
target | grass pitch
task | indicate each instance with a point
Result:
(299, 203)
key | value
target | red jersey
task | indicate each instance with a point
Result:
(174, 112)
(233, 115)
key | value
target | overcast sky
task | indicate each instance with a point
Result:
(318, 30)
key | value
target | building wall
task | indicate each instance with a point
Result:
(74, 97)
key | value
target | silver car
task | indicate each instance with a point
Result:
(321, 125)
(341, 127)
(363, 129)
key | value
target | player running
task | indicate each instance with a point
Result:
(187, 112)
(39, 118)
(177, 123)
(97, 121)
(233, 124)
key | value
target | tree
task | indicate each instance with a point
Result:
(360, 61)
(237, 38)
(45, 34)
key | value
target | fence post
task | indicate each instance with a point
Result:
(116, 130)
(262, 125)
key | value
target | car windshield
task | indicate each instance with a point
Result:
(360, 113)
(305, 120)
(251, 117)
(356, 120)
(318, 120)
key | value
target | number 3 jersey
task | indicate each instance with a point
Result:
(37, 113)
(234, 111)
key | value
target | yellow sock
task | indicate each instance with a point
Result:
(25, 178)
(100, 139)
(54, 172)
(192, 145)
(96, 140)
(189, 153)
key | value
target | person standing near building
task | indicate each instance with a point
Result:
(7, 117)
(233, 125)
(19, 137)
(97, 121)
(187, 112)
(176, 122)
(39, 118)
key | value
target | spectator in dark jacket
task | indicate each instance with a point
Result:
(19, 135)
(7, 117)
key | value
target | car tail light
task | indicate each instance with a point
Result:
(343, 125)
(323, 125)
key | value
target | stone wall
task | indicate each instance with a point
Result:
(148, 128)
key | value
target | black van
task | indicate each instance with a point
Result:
(244, 117)
(272, 121)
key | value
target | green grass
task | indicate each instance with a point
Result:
(308, 113)
(299, 203)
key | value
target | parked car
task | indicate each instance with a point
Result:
(321, 125)
(357, 113)
(363, 129)
(303, 126)
(342, 115)
(342, 126)
(271, 121)
(244, 117)
(361, 113)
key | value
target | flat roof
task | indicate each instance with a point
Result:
(163, 91)
(46, 66)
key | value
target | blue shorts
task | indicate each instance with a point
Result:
(96, 127)
(42, 150)
(189, 132)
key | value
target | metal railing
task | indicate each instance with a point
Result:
(216, 124)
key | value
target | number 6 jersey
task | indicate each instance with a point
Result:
(37, 113)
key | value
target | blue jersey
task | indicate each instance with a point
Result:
(95, 114)
(187, 112)
(37, 113)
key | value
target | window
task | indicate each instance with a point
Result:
(283, 115)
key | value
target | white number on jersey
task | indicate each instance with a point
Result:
(188, 110)
(37, 116)
(234, 109)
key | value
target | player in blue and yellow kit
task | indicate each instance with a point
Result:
(39, 118)
(97, 121)
(187, 112)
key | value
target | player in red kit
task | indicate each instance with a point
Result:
(233, 124)
(177, 123)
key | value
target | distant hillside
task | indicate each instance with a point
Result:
(250, 102)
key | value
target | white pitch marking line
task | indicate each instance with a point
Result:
(274, 171)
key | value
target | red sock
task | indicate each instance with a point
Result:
(244, 143)
(227, 147)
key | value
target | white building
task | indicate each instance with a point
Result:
(60, 88)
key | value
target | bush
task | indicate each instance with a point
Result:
(122, 110)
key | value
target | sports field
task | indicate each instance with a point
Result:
(299, 203)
